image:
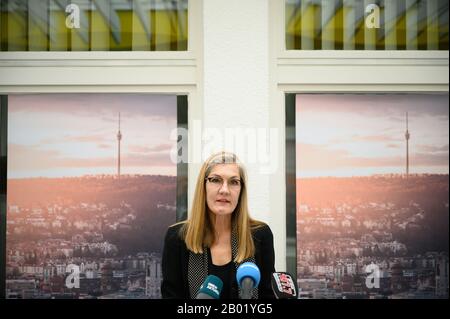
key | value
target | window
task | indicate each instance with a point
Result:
(94, 25)
(366, 24)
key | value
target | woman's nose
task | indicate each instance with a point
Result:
(224, 188)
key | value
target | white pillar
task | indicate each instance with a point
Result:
(236, 81)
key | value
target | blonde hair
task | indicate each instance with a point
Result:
(198, 230)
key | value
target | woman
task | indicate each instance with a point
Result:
(218, 236)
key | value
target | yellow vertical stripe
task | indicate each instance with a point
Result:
(59, 32)
(290, 23)
(173, 29)
(2, 28)
(141, 33)
(307, 25)
(163, 30)
(3, 39)
(126, 29)
(153, 28)
(17, 31)
(183, 27)
(100, 32)
(294, 14)
(339, 26)
(390, 25)
(432, 25)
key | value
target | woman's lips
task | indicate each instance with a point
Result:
(222, 201)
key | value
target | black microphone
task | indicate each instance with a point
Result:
(211, 288)
(284, 286)
(247, 276)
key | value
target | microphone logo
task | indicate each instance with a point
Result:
(285, 284)
(213, 288)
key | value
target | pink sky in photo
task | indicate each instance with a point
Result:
(61, 135)
(361, 135)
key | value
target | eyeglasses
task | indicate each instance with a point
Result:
(217, 182)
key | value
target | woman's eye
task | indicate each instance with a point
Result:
(234, 182)
(215, 180)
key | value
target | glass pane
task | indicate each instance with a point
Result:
(371, 195)
(366, 24)
(93, 25)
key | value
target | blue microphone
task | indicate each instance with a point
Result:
(247, 276)
(211, 288)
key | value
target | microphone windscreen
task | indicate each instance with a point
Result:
(212, 286)
(248, 270)
(284, 286)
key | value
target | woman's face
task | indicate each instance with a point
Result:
(223, 186)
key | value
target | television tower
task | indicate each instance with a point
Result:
(407, 146)
(119, 137)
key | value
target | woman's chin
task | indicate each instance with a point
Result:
(222, 212)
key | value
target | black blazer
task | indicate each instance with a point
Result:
(176, 258)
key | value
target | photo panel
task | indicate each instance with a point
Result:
(371, 195)
(93, 182)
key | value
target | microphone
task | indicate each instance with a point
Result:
(247, 276)
(210, 288)
(284, 286)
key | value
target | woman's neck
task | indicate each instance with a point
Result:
(222, 228)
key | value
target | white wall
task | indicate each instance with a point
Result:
(236, 95)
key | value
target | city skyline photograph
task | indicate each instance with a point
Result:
(372, 191)
(90, 185)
